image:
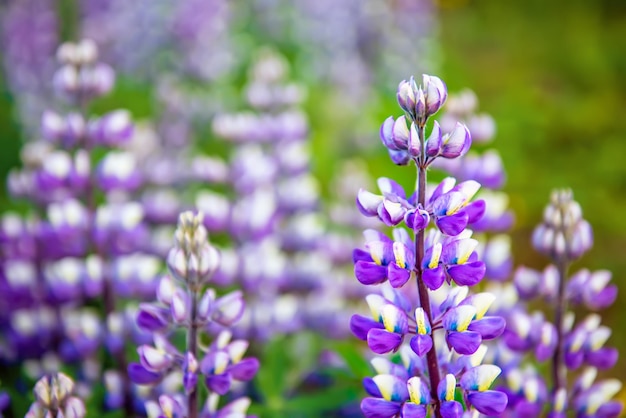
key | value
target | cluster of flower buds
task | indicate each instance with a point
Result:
(53, 398)
(192, 260)
(568, 345)
(442, 261)
(81, 77)
(564, 234)
(189, 305)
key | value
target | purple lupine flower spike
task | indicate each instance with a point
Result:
(440, 330)
(570, 347)
(186, 302)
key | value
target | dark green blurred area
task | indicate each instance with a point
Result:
(553, 76)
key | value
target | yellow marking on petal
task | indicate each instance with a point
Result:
(465, 315)
(488, 373)
(559, 400)
(400, 254)
(420, 320)
(599, 337)
(456, 202)
(390, 317)
(531, 390)
(436, 255)
(482, 302)
(376, 251)
(605, 392)
(414, 385)
(375, 302)
(466, 247)
(477, 358)
(579, 339)
(450, 387)
(514, 380)
(384, 382)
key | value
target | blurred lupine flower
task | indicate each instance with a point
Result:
(444, 254)
(53, 398)
(568, 345)
(86, 240)
(188, 304)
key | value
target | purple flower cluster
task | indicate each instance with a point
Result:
(186, 304)
(277, 256)
(443, 372)
(571, 346)
(84, 240)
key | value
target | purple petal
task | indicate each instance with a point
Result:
(475, 211)
(398, 276)
(604, 298)
(389, 187)
(433, 278)
(467, 274)
(464, 342)
(368, 202)
(138, 374)
(612, 409)
(371, 387)
(421, 344)
(360, 255)
(386, 133)
(451, 409)
(381, 341)
(604, 358)
(411, 410)
(219, 383)
(399, 157)
(490, 402)
(360, 326)
(368, 272)
(433, 144)
(574, 360)
(245, 369)
(452, 225)
(229, 308)
(379, 408)
(488, 327)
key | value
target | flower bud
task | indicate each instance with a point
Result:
(205, 306)
(177, 263)
(180, 308)
(414, 144)
(154, 359)
(457, 143)
(165, 290)
(406, 95)
(436, 93)
(229, 308)
(434, 141)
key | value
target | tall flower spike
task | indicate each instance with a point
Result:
(443, 338)
(566, 344)
(189, 305)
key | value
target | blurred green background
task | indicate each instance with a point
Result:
(553, 76)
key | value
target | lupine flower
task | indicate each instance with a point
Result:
(53, 397)
(563, 236)
(446, 254)
(184, 301)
